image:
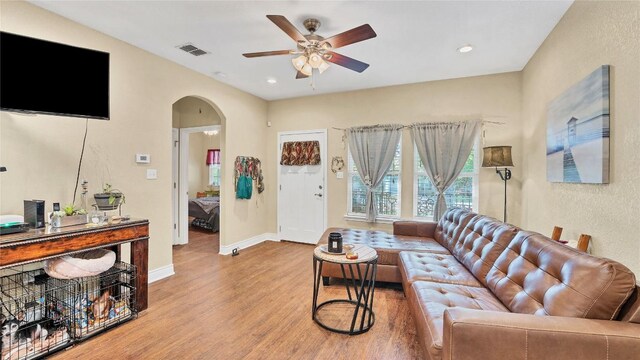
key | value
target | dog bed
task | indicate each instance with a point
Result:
(88, 263)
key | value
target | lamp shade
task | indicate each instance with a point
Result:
(315, 60)
(299, 62)
(213, 157)
(306, 69)
(323, 66)
(496, 156)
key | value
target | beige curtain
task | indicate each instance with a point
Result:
(444, 148)
(372, 149)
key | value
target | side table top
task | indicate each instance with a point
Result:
(365, 254)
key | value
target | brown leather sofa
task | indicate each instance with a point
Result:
(388, 246)
(499, 292)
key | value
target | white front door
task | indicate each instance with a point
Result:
(302, 199)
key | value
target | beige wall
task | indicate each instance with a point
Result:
(41, 152)
(590, 34)
(193, 112)
(494, 97)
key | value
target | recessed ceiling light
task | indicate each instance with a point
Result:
(220, 74)
(465, 48)
(272, 81)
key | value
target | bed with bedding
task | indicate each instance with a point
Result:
(206, 211)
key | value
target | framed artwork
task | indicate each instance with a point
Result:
(578, 132)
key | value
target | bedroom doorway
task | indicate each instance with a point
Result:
(200, 205)
(197, 135)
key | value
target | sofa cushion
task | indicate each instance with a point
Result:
(387, 245)
(480, 243)
(450, 225)
(414, 228)
(536, 275)
(428, 301)
(630, 312)
(440, 268)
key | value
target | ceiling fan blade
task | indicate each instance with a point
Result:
(300, 75)
(267, 53)
(347, 62)
(360, 33)
(287, 27)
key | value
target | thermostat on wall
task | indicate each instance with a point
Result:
(143, 158)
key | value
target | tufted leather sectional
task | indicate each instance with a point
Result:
(482, 289)
(388, 246)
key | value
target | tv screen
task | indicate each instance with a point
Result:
(45, 77)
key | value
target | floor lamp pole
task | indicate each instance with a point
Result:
(506, 176)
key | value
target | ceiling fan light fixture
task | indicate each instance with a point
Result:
(299, 62)
(315, 60)
(315, 51)
(323, 66)
(306, 69)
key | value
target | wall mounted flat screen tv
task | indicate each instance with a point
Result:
(45, 77)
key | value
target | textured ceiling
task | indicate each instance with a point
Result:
(417, 40)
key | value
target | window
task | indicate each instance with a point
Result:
(213, 162)
(462, 193)
(387, 199)
(214, 174)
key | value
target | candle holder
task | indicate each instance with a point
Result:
(335, 243)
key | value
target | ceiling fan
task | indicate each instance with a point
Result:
(314, 50)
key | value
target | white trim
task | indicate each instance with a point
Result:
(175, 180)
(379, 220)
(201, 128)
(323, 164)
(255, 240)
(183, 193)
(160, 273)
(476, 175)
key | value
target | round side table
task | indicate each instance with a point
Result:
(362, 282)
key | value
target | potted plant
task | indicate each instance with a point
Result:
(68, 216)
(109, 198)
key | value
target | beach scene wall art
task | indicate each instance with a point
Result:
(578, 132)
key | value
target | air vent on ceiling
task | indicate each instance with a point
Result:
(191, 49)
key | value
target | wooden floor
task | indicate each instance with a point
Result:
(253, 306)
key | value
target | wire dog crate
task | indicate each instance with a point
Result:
(104, 301)
(35, 315)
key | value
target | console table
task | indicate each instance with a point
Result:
(46, 243)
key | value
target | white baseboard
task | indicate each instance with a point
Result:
(255, 240)
(160, 273)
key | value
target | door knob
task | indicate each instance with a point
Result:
(318, 194)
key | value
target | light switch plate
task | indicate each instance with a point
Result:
(340, 175)
(152, 174)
